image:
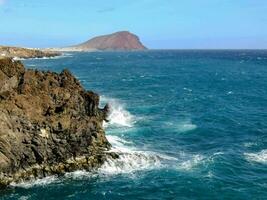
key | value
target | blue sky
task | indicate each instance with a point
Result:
(159, 23)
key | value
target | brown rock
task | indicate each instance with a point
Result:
(123, 40)
(48, 124)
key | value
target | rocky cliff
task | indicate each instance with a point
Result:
(49, 124)
(122, 40)
(25, 53)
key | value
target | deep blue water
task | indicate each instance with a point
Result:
(189, 125)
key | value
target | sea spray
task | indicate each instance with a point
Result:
(118, 116)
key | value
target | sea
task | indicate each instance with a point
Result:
(188, 124)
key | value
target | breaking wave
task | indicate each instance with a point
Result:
(130, 159)
(118, 116)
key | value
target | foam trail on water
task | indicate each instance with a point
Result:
(182, 126)
(187, 126)
(260, 157)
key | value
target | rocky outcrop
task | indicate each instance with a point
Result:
(18, 52)
(123, 40)
(49, 124)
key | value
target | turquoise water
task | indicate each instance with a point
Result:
(189, 125)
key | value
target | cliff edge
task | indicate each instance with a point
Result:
(49, 124)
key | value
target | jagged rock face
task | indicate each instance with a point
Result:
(48, 124)
(25, 53)
(122, 40)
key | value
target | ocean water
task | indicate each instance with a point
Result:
(189, 125)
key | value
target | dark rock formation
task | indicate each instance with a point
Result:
(48, 124)
(122, 40)
(19, 52)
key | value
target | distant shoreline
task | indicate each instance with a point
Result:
(25, 53)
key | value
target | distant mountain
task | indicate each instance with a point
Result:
(122, 40)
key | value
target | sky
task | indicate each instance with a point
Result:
(160, 24)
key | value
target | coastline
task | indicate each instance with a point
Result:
(25, 53)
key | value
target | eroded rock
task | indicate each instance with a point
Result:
(49, 124)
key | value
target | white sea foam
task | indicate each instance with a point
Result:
(64, 55)
(250, 144)
(79, 175)
(118, 116)
(187, 89)
(130, 159)
(129, 162)
(36, 182)
(260, 157)
(191, 162)
(182, 126)
(76, 175)
(118, 143)
(51, 58)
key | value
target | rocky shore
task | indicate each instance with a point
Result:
(18, 52)
(49, 124)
